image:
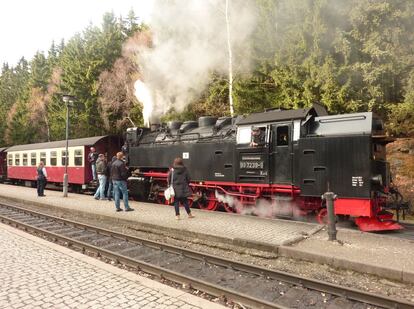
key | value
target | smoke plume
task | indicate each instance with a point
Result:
(190, 42)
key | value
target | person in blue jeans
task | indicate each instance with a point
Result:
(119, 175)
(110, 190)
(92, 158)
(101, 171)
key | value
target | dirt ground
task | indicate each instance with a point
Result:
(400, 154)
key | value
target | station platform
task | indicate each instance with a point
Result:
(382, 255)
(36, 273)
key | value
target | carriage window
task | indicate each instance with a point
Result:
(10, 159)
(25, 159)
(53, 158)
(282, 136)
(43, 157)
(64, 157)
(17, 159)
(33, 158)
(78, 157)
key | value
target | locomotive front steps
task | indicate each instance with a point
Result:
(381, 255)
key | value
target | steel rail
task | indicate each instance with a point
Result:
(160, 272)
(312, 284)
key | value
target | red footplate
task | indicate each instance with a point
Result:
(373, 224)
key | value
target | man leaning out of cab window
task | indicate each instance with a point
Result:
(258, 137)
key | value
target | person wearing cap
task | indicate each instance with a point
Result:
(258, 137)
(101, 171)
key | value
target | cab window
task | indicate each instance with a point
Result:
(378, 151)
(244, 135)
(282, 136)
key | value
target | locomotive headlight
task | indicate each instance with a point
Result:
(377, 179)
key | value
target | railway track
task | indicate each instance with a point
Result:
(246, 284)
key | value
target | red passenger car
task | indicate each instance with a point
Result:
(22, 160)
(3, 163)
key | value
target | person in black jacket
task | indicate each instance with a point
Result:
(92, 158)
(179, 177)
(41, 179)
(101, 171)
(110, 189)
(119, 176)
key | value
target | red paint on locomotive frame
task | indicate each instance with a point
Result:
(354, 207)
(365, 210)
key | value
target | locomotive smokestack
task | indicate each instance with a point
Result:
(154, 127)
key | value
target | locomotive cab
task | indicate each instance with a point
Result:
(357, 142)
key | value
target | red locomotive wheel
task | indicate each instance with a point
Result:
(161, 200)
(322, 216)
(208, 201)
(227, 207)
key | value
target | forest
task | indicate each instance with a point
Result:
(350, 56)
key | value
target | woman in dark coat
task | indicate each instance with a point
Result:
(181, 184)
(41, 179)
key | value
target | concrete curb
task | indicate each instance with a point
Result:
(384, 272)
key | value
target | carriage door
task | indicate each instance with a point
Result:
(280, 156)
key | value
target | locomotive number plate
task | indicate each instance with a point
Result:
(252, 165)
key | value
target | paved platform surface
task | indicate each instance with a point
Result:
(381, 255)
(38, 274)
(222, 225)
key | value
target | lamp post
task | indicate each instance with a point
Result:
(68, 99)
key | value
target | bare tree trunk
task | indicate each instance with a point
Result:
(230, 60)
(47, 128)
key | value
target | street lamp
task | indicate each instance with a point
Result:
(68, 99)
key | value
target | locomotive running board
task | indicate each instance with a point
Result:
(366, 224)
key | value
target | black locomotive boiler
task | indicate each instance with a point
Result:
(305, 153)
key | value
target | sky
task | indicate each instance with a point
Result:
(27, 26)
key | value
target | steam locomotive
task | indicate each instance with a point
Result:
(306, 153)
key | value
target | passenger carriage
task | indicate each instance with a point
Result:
(3, 163)
(22, 160)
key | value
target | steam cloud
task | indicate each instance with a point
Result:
(282, 206)
(189, 43)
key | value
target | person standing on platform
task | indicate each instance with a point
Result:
(125, 151)
(179, 178)
(119, 175)
(101, 171)
(41, 179)
(92, 157)
(109, 192)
